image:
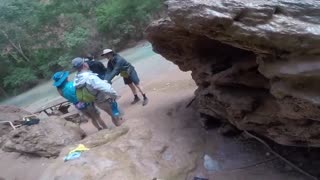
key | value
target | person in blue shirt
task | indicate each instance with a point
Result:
(67, 90)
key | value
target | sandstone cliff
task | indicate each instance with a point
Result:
(256, 63)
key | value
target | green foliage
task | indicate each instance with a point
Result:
(125, 17)
(37, 38)
(76, 38)
(20, 78)
(64, 61)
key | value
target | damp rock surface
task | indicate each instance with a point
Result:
(256, 63)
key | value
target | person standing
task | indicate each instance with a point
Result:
(118, 65)
(90, 84)
(96, 66)
(67, 90)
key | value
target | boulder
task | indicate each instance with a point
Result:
(130, 154)
(45, 139)
(99, 162)
(256, 63)
(10, 113)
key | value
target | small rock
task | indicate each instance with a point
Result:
(167, 156)
(268, 154)
(210, 164)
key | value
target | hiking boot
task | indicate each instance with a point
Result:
(136, 99)
(145, 101)
(119, 121)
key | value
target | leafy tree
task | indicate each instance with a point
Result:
(37, 38)
(20, 78)
(125, 17)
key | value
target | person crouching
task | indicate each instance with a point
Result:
(91, 88)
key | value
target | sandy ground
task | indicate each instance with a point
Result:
(169, 90)
(238, 159)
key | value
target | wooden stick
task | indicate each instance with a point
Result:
(189, 104)
(281, 157)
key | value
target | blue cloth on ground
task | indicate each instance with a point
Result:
(71, 156)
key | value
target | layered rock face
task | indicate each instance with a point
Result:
(256, 63)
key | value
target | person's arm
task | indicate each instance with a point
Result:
(108, 71)
(103, 86)
(115, 71)
(109, 67)
(60, 92)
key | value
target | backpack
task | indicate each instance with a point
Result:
(84, 95)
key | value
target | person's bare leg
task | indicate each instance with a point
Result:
(133, 88)
(139, 88)
(95, 124)
(106, 107)
(145, 99)
(134, 92)
(90, 114)
(102, 123)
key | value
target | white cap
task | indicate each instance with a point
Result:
(106, 51)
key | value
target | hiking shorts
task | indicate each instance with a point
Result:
(133, 78)
(91, 111)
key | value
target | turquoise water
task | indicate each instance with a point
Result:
(46, 92)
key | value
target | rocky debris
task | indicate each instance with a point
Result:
(256, 63)
(45, 139)
(130, 154)
(99, 162)
(10, 113)
(5, 129)
(75, 118)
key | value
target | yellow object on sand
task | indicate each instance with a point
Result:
(80, 148)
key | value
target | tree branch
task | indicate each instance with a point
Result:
(15, 47)
(2, 91)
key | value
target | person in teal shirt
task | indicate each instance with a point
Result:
(67, 90)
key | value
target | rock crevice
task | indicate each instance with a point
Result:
(256, 63)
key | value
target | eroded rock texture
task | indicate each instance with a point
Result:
(256, 63)
(45, 139)
(10, 113)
